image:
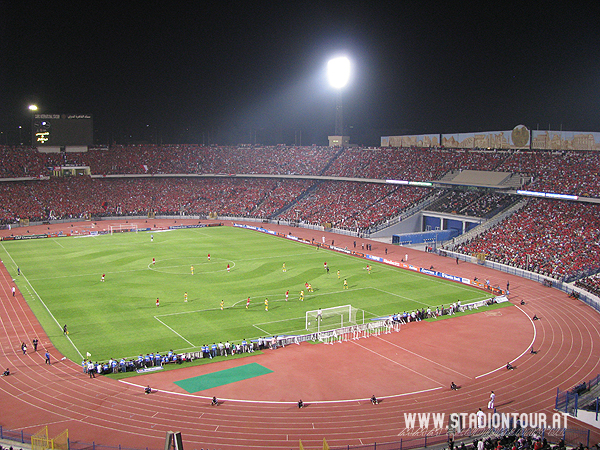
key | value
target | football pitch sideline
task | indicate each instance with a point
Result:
(201, 279)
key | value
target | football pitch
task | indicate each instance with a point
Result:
(61, 280)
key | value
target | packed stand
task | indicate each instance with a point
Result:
(590, 284)
(564, 172)
(555, 238)
(411, 164)
(352, 205)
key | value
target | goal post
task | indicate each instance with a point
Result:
(331, 318)
(123, 227)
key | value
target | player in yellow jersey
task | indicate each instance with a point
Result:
(185, 297)
(345, 284)
(284, 269)
(301, 296)
(266, 304)
(192, 269)
(338, 273)
(222, 303)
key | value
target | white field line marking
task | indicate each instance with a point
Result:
(42, 302)
(269, 402)
(422, 357)
(524, 351)
(395, 362)
(174, 331)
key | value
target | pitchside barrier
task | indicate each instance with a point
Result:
(351, 332)
(578, 396)
(42, 438)
(41, 441)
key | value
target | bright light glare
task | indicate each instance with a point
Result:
(338, 72)
(32, 107)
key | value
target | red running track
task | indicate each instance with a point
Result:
(411, 370)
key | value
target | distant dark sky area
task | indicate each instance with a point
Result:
(252, 71)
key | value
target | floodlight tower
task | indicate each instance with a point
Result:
(338, 73)
(32, 109)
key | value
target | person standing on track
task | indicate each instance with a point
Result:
(491, 402)
(91, 370)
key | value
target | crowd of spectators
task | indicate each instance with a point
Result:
(590, 284)
(514, 439)
(411, 164)
(558, 239)
(345, 204)
(352, 205)
(565, 172)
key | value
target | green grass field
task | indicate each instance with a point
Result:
(119, 318)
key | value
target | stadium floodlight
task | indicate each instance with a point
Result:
(32, 108)
(338, 72)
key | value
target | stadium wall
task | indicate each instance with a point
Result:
(519, 138)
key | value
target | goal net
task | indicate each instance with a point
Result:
(332, 318)
(123, 227)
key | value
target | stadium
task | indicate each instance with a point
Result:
(299, 225)
(269, 191)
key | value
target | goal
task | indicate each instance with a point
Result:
(123, 227)
(331, 318)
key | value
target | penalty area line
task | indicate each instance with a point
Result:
(175, 332)
(259, 328)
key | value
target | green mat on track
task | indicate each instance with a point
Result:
(222, 377)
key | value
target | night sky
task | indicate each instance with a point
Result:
(246, 71)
